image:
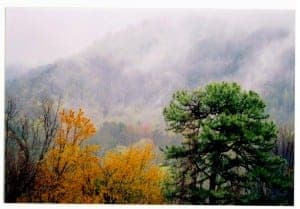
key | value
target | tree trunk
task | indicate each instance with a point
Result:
(212, 180)
(212, 186)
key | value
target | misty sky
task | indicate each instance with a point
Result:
(157, 51)
(36, 36)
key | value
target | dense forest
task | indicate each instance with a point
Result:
(229, 152)
(183, 109)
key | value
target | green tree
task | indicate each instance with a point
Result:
(226, 156)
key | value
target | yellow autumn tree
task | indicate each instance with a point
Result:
(68, 172)
(130, 175)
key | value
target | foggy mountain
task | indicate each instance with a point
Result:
(131, 75)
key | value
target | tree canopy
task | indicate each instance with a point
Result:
(226, 156)
(69, 169)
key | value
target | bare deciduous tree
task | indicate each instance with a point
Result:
(27, 140)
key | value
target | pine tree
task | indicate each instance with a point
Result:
(226, 156)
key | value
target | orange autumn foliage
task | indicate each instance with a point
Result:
(68, 172)
(71, 171)
(130, 175)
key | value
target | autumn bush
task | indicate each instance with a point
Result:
(130, 175)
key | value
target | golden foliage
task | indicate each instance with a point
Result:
(71, 171)
(75, 128)
(129, 175)
(68, 172)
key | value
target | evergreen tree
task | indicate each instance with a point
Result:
(226, 156)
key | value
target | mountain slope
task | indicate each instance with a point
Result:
(131, 75)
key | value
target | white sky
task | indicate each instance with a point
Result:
(36, 36)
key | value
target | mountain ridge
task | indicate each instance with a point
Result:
(132, 74)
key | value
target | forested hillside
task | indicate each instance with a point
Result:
(134, 72)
